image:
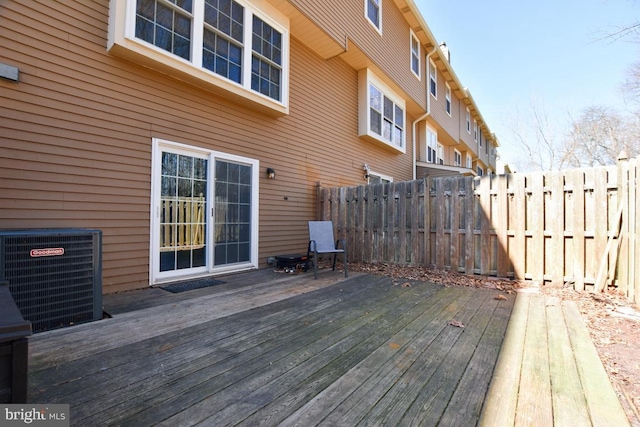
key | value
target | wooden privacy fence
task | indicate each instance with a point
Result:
(573, 227)
(182, 223)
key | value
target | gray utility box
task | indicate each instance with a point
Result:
(14, 349)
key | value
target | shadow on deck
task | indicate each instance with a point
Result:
(272, 349)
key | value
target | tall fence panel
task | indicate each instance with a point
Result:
(575, 227)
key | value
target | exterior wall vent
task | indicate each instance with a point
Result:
(54, 275)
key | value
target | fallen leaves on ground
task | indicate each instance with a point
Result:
(457, 324)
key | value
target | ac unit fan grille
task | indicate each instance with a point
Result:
(53, 291)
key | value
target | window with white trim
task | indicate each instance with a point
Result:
(433, 79)
(469, 161)
(415, 54)
(432, 145)
(382, 112)
(475, 130)
(468, 118)
(440, 160)
(447, 95)
(377, 178)
(480, 171)
(457, 158)
(373, 12)
(228, 43)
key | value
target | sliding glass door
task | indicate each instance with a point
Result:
(205, 212)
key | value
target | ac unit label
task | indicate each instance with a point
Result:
(46, 252)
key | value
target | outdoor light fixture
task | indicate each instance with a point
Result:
(367, 171)
(271, 173)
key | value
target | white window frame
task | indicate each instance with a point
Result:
(475, 130)
(367, 79)
(431, 152)
(383, 177)
(440, 154)
(468, 118)
(469, 161)
(122, 41)
(480, 171)
(414, 55)
(457, 158)
(447, 95)
(376, 25)
(158, 145)
(433, 79)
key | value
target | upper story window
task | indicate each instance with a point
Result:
(432, 145)
(415, 54)
(469, 161)
(225, 43)
(166, 25)
(440, 160)
(433, 79)
(373, 11)
(457, 158)
(447, 96)
(382, 112)
(480, 171)
(475, 130)
(480, 137)
(468, 118)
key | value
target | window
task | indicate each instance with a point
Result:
(447, 96)
(266, 59)
(480, 171)
(475, 130)
(226, 43)
(457, 158)
(469, 161)
(382, 112)
(433, 79)
(440, 159)
(223, 39)
(166, 25)
(373, 9)
(415, 55)
(480, 137)
(432, 145)
(376, 178)
(468, 120)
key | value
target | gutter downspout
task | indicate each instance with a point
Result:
(425, 115)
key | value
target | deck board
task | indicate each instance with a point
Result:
(272, 349)
(549, 372)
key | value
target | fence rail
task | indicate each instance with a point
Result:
(573, 227)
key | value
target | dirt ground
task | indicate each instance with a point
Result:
(613, 322)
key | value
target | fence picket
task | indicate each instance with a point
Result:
(548, 227)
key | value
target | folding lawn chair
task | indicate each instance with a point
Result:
(321, 242)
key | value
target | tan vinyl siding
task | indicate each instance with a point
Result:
(345, 20)
(76, 133)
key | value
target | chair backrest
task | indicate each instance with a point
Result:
(322, 233)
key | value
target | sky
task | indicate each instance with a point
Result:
(510, 52)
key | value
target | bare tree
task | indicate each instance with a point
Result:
(539, 139)
(599, 135)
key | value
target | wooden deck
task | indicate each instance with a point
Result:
(272, 349)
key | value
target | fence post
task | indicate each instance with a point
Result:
(623, 244)
(427, 222)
